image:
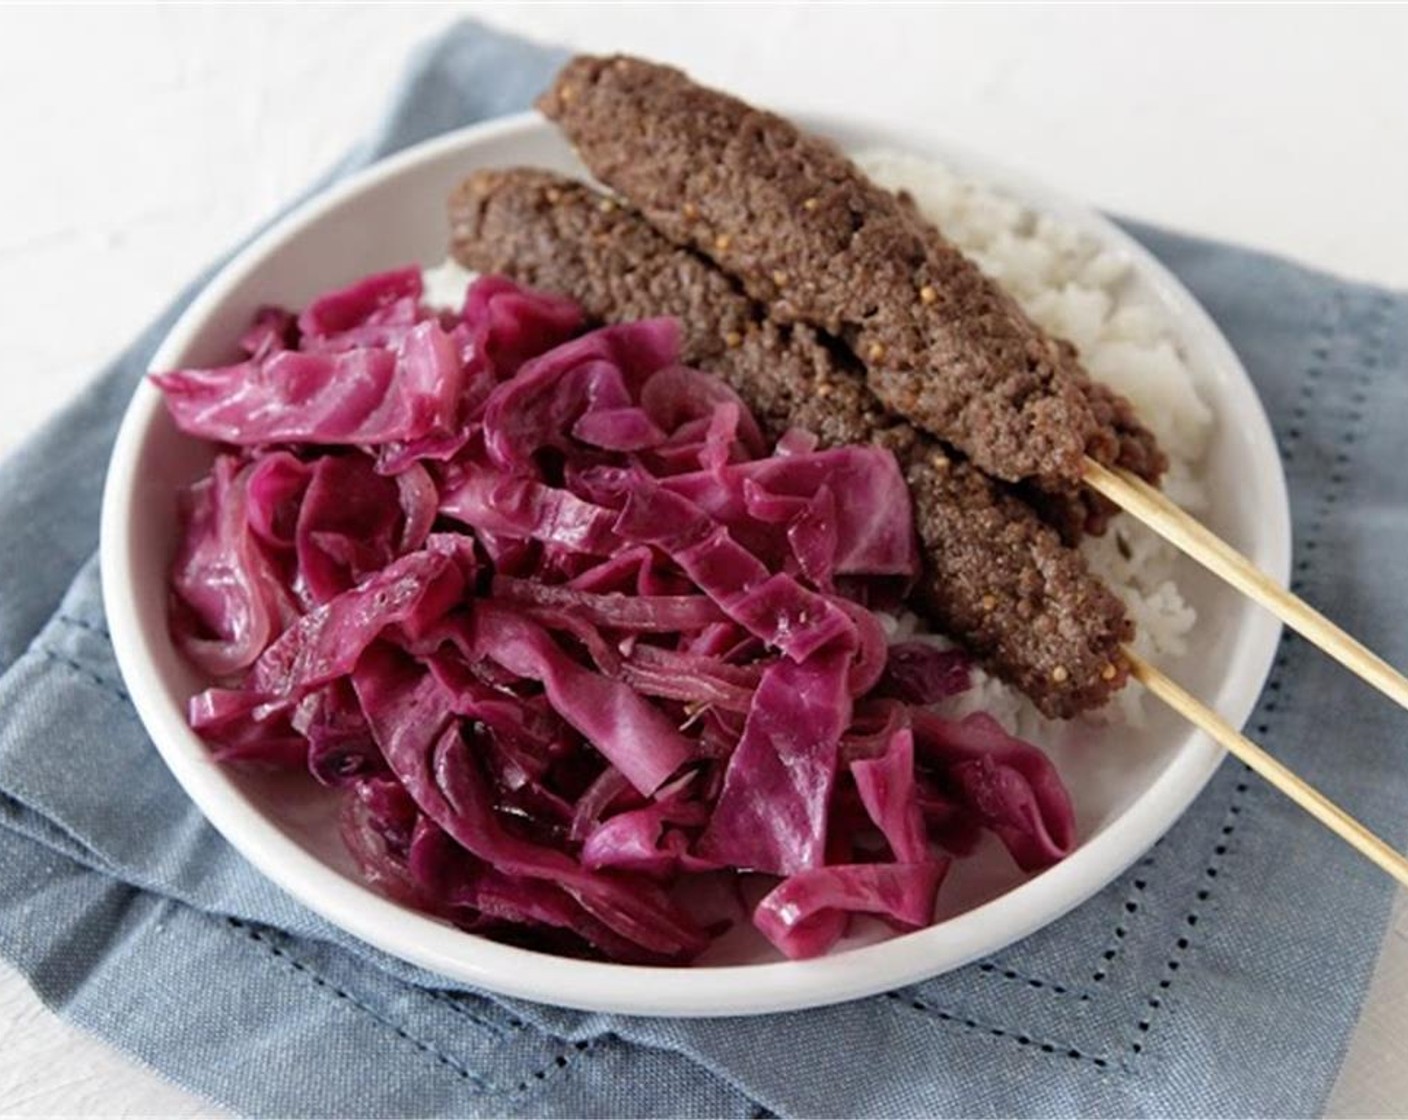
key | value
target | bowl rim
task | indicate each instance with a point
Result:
(708, 990)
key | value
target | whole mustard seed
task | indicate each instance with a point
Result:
(1060, 674)
(722, 242)
(927, 294)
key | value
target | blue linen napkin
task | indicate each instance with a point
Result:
(1221, 976)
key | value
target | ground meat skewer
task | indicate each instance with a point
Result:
(996, 577)
(1076, 513)
(810, 237)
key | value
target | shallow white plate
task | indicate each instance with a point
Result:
(1129, 786)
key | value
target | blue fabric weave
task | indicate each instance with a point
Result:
(1221, 976)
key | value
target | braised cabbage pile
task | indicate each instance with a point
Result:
(570, 636)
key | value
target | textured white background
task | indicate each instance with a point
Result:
(138, 142)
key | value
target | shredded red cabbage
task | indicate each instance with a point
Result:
(565, 633)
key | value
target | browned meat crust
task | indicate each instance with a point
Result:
(818, 243)
(1075, 513)
(996, 577)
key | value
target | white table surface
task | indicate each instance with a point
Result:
(139, 142)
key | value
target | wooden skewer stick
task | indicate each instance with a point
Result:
(1137, 498)
(1306, 796)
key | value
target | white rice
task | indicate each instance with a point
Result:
(444, 284)
(1077, 290)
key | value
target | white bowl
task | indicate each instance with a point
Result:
(1129, 789)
